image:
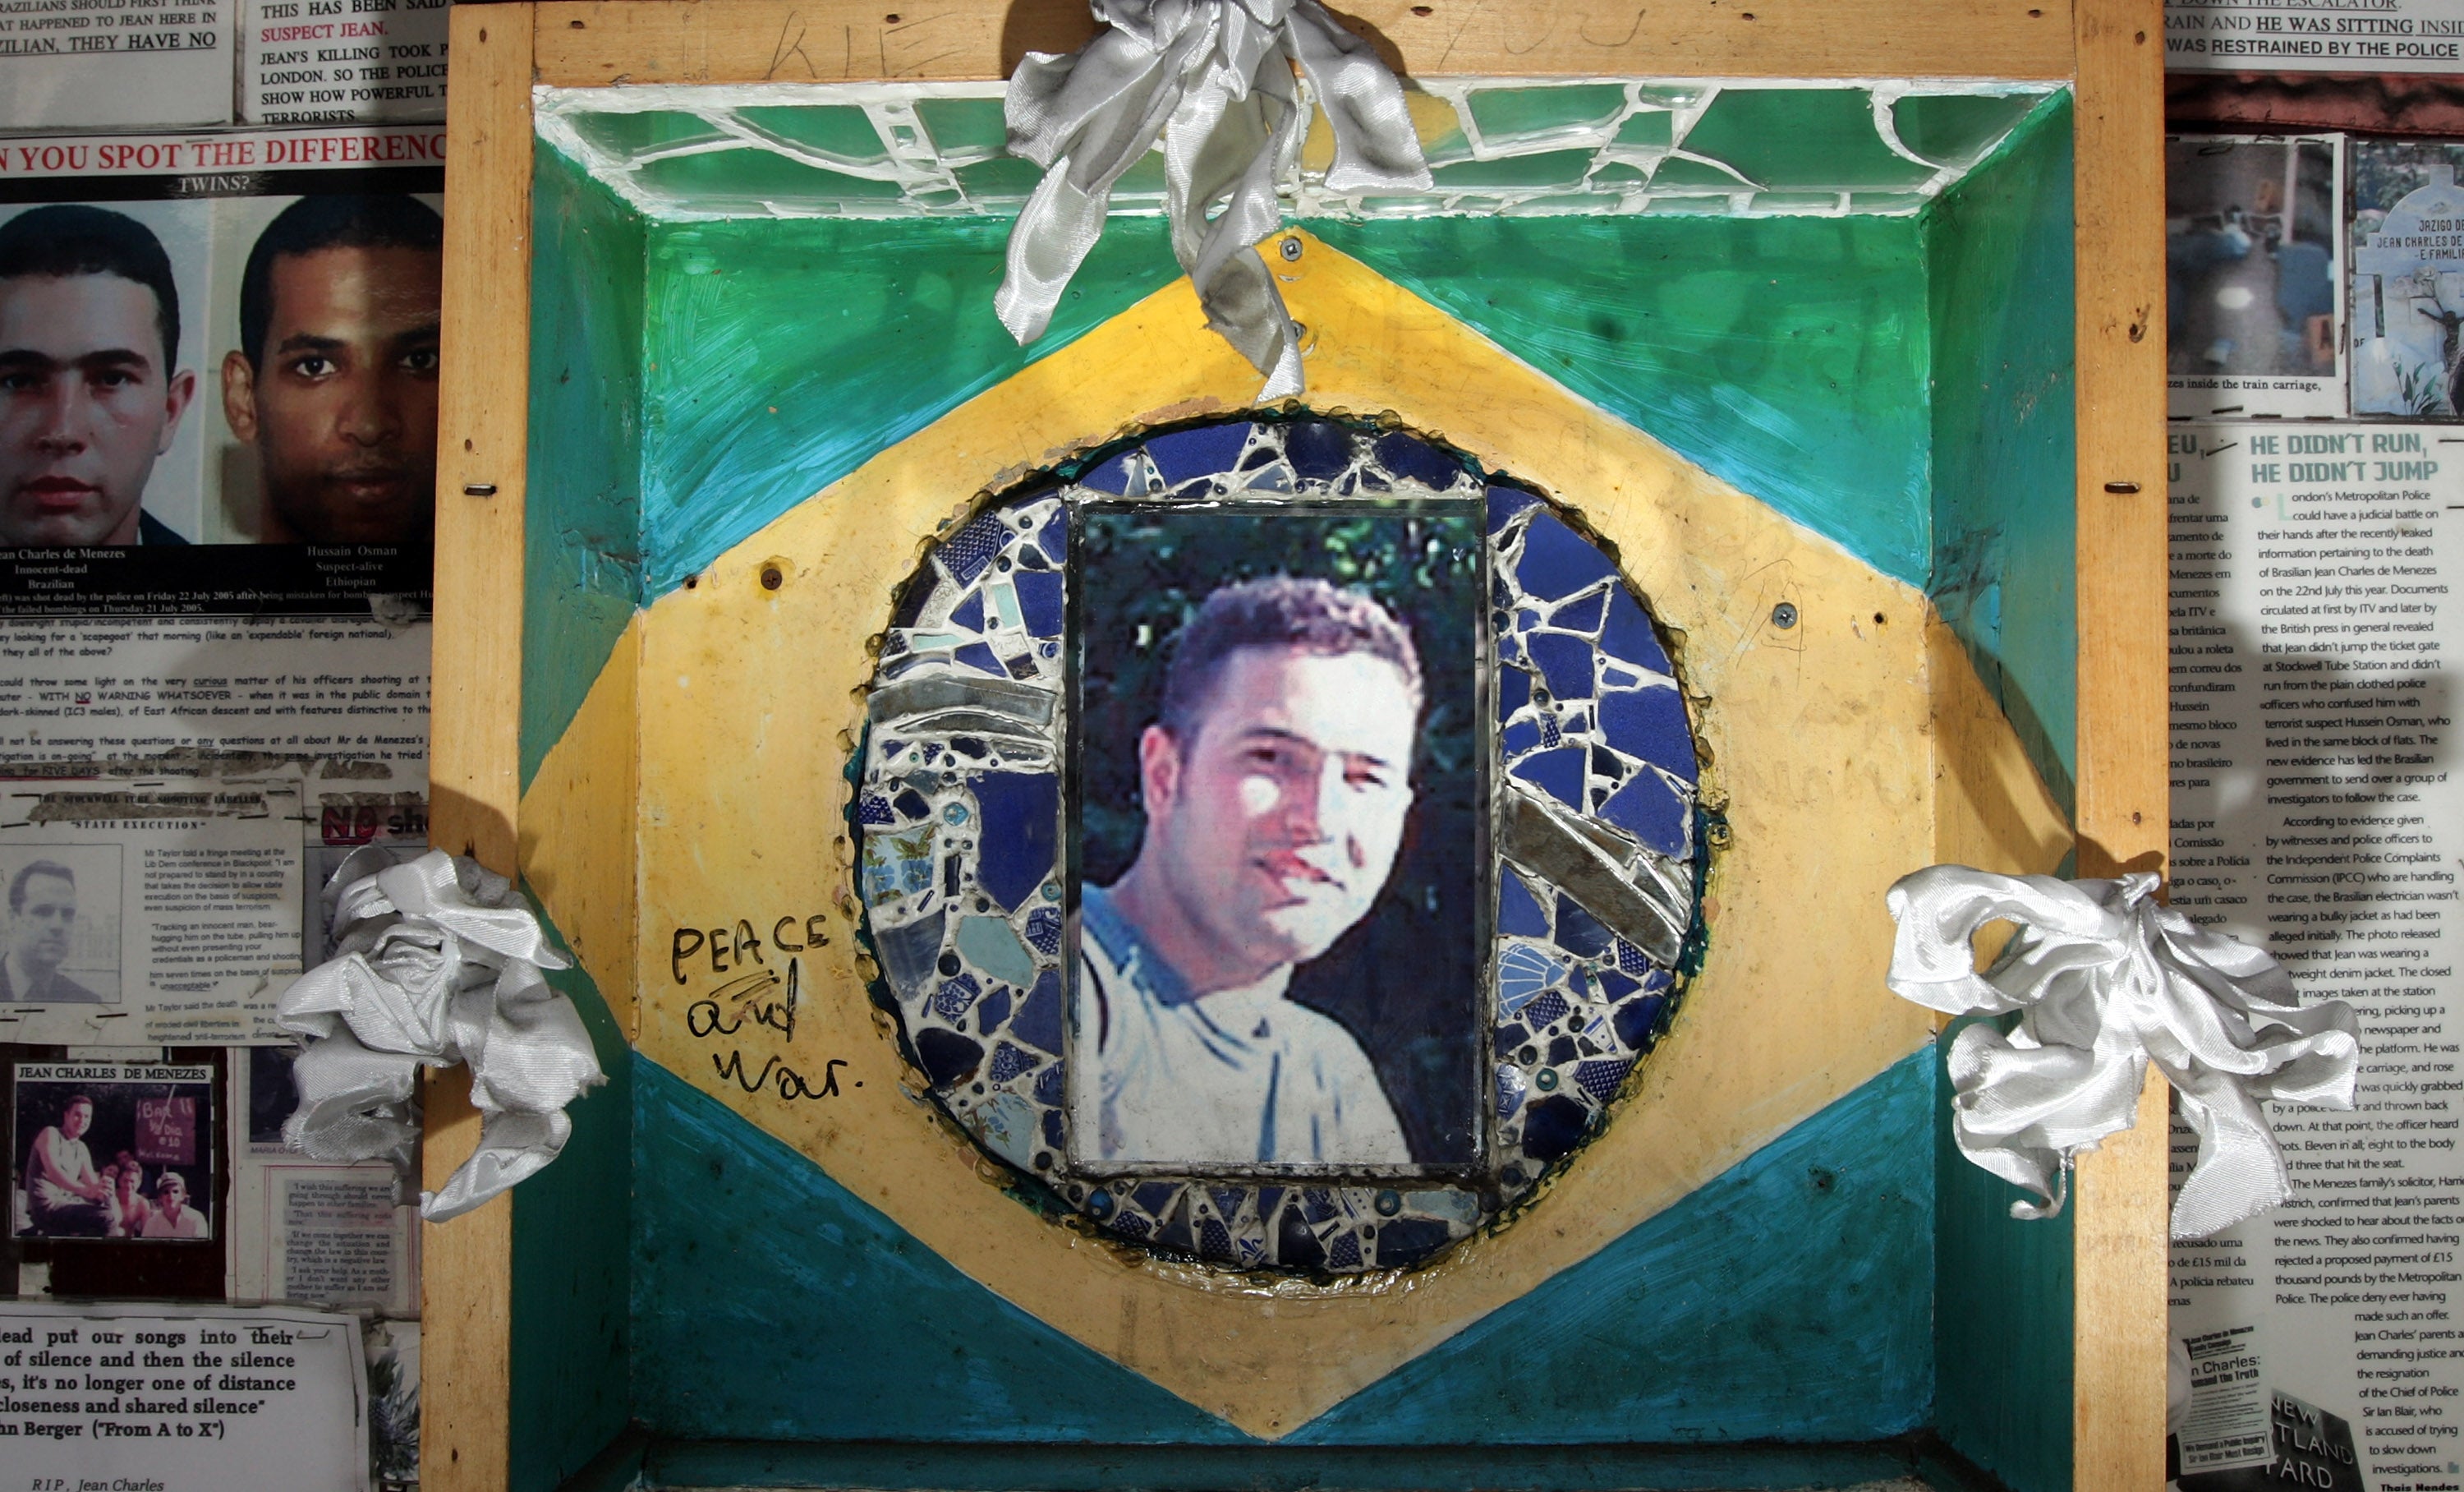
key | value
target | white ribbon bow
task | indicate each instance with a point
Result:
(2105, 981)
(1214, 78)
(439, 964)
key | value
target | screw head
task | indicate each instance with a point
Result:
(1291, 248)
(1784, 616)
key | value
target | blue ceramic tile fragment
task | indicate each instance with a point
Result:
(993, 1009)
(969, 613)
(1053, 1134)
(1504, 503)
(1316, 450)
(1578, 931)
(951, 999)
(946, 1057)
(1226, 1200)
(1523, 973)
(1513, 691)
(1582, 613)
(1649, 723)
(907, 954)
(1601, 1078)
(1524, 735)
(1021, 830)
(1039, 1017)
(1344, 1252)
(1408, 1240)
(1547, 1010)
(1556, 561)
(1053, 538)
(1636, 1019)
(1317, 1205)
(976, 656)
(989, 944)
(1043, 931)
(1156, 1195)
(1517, 912)
(911, 804)
(1557, 773)
(1132, 1224)
(1553, 1127)
(1417, 460)
(1202, 451)
(1565, 663)
(1113, 477)
(1615, 987)
(1511, 1084)
(1038, 600)
(1047, 1083)
(1215, 1241)
(1628, 635)
(874, 810)
(1633, 960)
(971, 549)
(1648, 808)
(1008, 1062)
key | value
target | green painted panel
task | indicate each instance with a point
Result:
(837, 130)
(571, 1331)
(582, 557)
(2002, 1322)
(782, 354)
(1521, 113)
(2004, 568)
(1789, 1299)
(1787, 356)
(1801, 137)
(770, 1302)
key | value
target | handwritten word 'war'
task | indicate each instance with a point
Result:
(748, 1001)
(734, 949)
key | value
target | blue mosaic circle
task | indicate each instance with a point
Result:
(964, 841)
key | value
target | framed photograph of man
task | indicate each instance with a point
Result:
(112, 1151)
(61, 944)
(1279, 848)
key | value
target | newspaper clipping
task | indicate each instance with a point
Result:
(2318, 811)
(2252, 283)
(113, 1151)
(2311, 36)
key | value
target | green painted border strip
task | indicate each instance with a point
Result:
(897, 1468)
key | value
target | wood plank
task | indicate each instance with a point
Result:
(475, 730)
(2118, 1395)
(594, 43)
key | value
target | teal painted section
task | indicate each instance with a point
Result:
(782, 354)
(1787, 356)
(2002, 1322)
(772, 1304)
(572, 1272)
(2004, 431)
(581, 564)
(1785, 1300)
(1279, 1468)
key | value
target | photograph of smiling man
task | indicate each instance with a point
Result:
(1278, 930)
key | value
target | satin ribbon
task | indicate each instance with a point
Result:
(2105, 981)
(438, 964)
(1213, 80)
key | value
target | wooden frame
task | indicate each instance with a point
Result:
(2109, 50)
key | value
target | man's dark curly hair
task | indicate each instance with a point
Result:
(1279, 610)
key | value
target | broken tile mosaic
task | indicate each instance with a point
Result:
(959, 819)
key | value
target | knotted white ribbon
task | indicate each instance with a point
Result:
(2105, 981)
(1214, 78)
(439, 964)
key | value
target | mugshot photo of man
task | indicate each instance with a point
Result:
(334, 382)
(42, 913)
(91, 393)
(1276, 783)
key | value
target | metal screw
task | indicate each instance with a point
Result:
(1784, 616)
(1291, 250)
(771, 578)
